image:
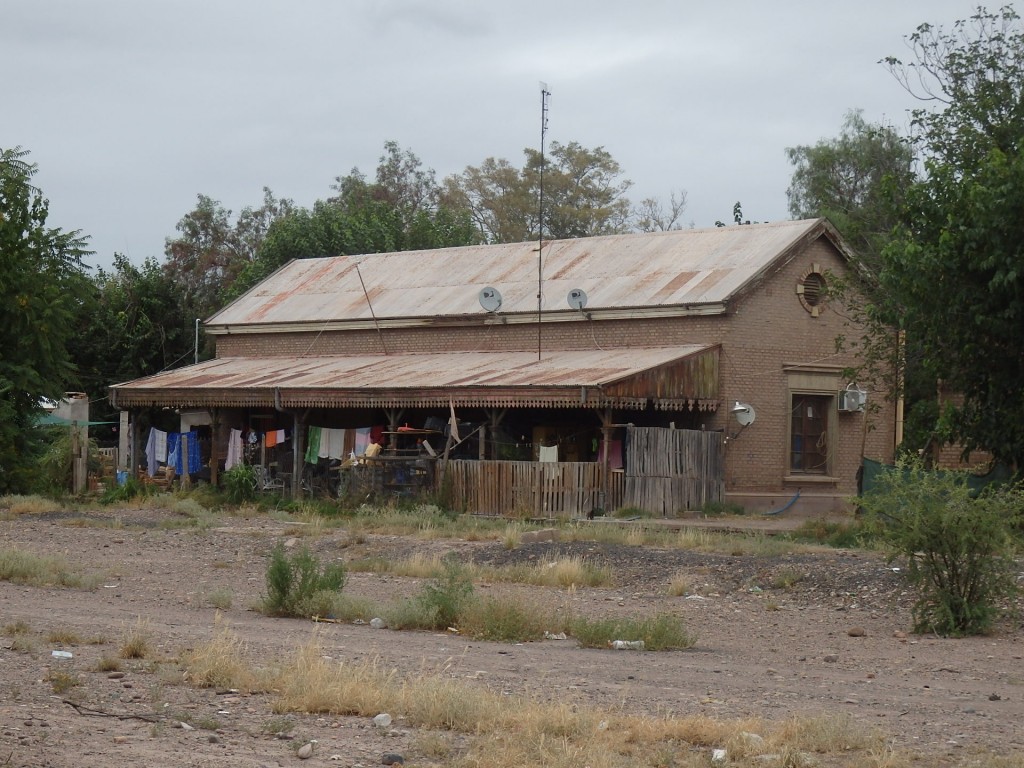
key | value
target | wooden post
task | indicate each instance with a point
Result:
(482, 453)
(214, 458)
(298, 455)
(133, 446)
(606, 436)
(186, 478)
(77, 480)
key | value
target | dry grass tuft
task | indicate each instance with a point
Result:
(679, 585)
(63, 636)
(135, 641)
(223, 663)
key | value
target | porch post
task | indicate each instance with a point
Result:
(606, 480)
(133, 420)
(214, 458)
(298, 455)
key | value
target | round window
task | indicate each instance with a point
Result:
(812, 290)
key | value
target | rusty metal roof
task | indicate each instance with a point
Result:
(673, 378)
(660, 269)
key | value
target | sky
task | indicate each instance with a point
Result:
(131, 109)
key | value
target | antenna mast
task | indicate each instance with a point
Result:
(544, 94)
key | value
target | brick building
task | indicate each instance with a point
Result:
(687, 331)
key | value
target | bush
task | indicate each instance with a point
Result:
(505, 620)
(837, 535)
(439, 604)
(299, 586)
(959, 549)
(240, 483)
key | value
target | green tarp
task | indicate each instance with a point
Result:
(1000, 473)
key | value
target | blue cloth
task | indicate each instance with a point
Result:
(195, 462)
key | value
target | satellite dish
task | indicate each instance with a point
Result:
(744, 413)
(490, 299)
(577, 298)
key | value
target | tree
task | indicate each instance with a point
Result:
(651, 215)
(855, 181)
(42, 286)
(135, 324)
(402, 210)
(955, 268)
(584, 195)
(210, 250)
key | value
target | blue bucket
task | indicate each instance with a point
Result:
(122, 477)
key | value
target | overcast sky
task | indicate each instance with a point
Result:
(133, 107)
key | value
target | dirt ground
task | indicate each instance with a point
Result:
(763, 649)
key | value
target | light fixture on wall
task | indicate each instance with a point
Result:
(744, 414)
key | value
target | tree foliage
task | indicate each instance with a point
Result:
(955, 268)
(854, 180)
(211, 251)
(135, 324)
(584, 195)
(42, 286)
(402, 210)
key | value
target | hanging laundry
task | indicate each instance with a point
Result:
(161, 445)
(549, 453)
(313, 445)
(282, 436)
(151, 462)
(234, 452)
(270, 438)
(337, 447)
(174, 450)
(362, 440)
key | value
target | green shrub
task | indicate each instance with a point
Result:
(299, 586)
(240, 483)
(505, 620)
(837, 535)
(440, 602)
(663, 632)
(722, 509)
(131, 489)
(959, 549)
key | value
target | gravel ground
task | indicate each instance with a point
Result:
(823, 632)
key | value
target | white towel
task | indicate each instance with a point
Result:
(160, 445)
(234, 454)
(549, 453)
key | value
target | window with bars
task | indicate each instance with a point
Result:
(808, 453)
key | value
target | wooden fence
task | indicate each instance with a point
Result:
(532, 489)
(667, 471)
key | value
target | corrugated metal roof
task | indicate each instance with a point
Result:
(467, 377)
(683, 267)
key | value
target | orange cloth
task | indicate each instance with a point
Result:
(271, 438)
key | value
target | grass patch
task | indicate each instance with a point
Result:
(787, 578)
(518, 731)
(505, 619)
(108, 664)
(22, 567)
(220, 598)
(135, 642)
(852, 535)
(15, 628)
(663, 632)
(62, 681)
(63, 636)
(29, 505)
(564, 572)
